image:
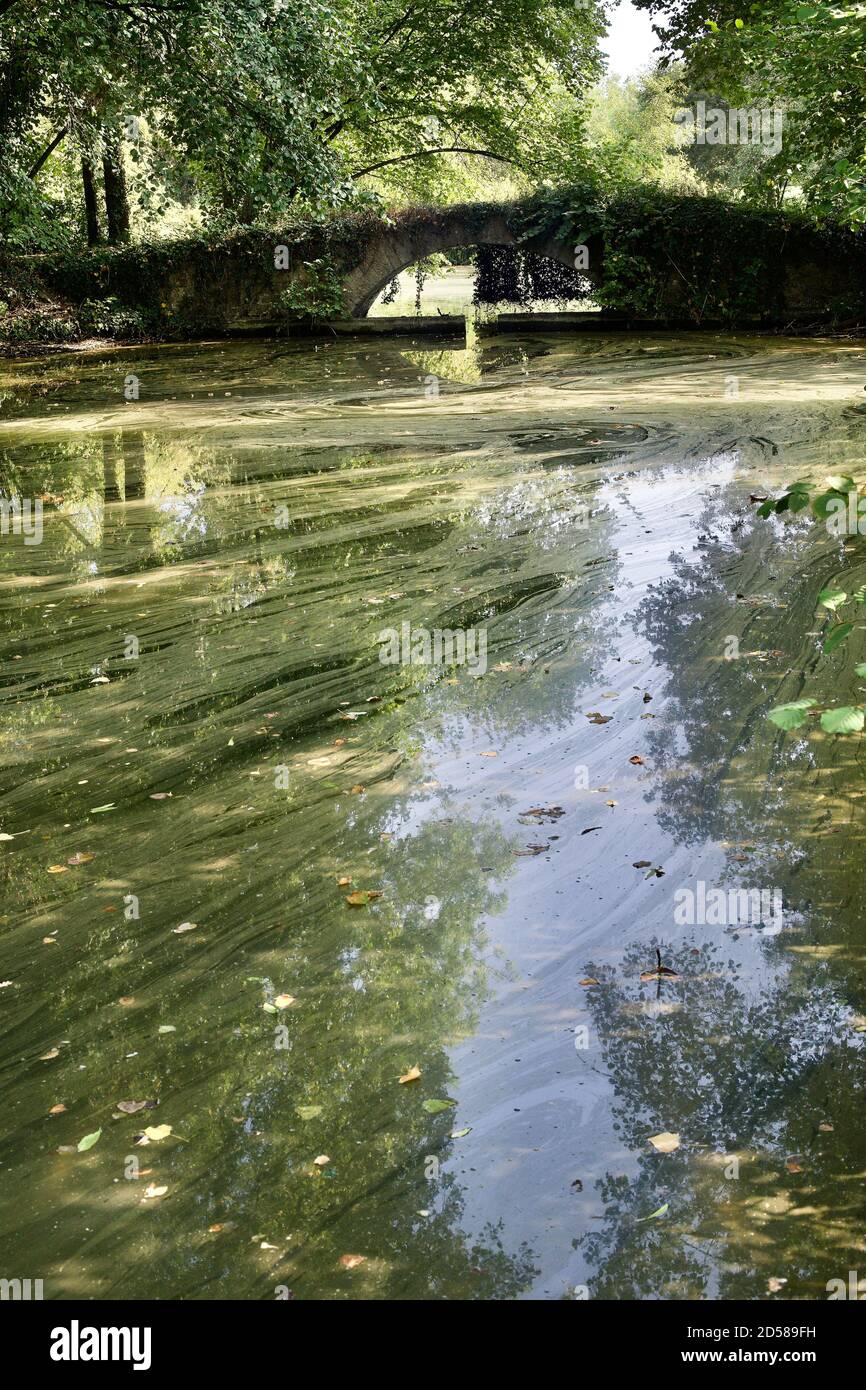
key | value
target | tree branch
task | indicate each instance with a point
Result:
(438, 149)
(48, 152)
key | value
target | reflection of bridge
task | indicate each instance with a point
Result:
(418, 234)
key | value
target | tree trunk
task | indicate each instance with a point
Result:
(91, 208)
(116, 200)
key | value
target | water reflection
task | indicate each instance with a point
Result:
(253, 523)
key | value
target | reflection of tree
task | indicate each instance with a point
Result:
(740, 1071)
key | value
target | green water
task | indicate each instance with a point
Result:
(192, 694)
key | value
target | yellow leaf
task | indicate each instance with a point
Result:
(665, 1142)
(413, 1074)
(157, 1132)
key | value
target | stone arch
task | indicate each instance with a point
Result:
(412, 238)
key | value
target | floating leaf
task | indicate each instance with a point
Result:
(132, 1107)
(57, 1109)
(659, 1211)
(184, 926)
(665, 1142)
(352, 1261)
(588, 981)
(153, 1191)
(836, 635)
(845, 720)
(308, 1112)
(97, 810)
(412, 1074)
(832, 598)
(82, 857)
(58, 869)
(49, 1056)
(88, 1141)
(790, 716)
(167, 1028)
(361, 897)
(157, 1132)
(460, 1133)
(435, 1107)
(284, 1001)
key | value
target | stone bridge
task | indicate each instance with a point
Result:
(412, 238)
(794, 272)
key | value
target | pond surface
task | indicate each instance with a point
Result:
(197, 728)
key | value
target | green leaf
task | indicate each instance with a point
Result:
(861, 669)
(837, 634)
(832, 598)
(659, 1211)
(88, 1141)
(821, 504)
(308, 1112)
(434, 1107)
(790, 716)
(845, 720)
(766, 508)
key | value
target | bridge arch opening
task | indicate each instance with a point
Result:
(457, 279)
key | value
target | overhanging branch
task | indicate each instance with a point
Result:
(438, 149)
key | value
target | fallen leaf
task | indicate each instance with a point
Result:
(825, 1128)
(57, 1109)
(321, 1160)
(659, 1211)
(641, 863)
(589, 829)
(159, 796)
(411, 1075)
(308, 1112)
(82, 857)
(435, 1107)
(491, 753)
(132, 1107)
(344, 881)
(774, 1284)
(58, 869)
(283, 1001)
(352, 1261)
(157, 1132)
(361, 897)
(665, 1142)
(638, 761)
(88, 1141)
(588, 981)
(96, 810)
(460, 1133)
(167, 1028)
(794, 1165)
(184, 926)
(48, 1056)
(153, 1191)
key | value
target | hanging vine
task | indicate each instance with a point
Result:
(508, 275)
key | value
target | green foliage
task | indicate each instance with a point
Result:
(319, 295)
(697, 258)
(809, 60)
(831, 505)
